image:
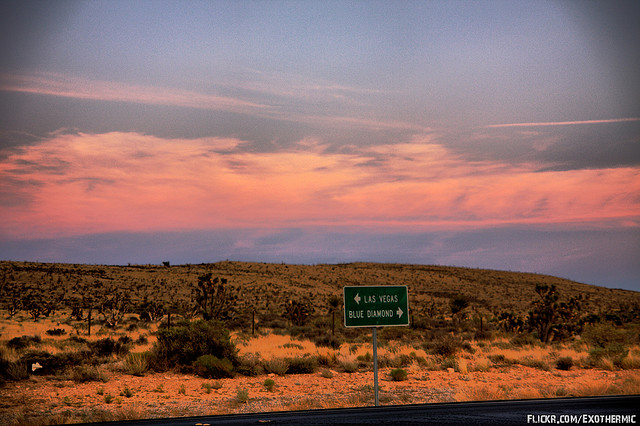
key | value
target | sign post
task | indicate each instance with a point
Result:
(376, 306)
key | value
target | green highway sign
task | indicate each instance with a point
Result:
(374, 306)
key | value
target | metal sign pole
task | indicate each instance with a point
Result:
(375, 366)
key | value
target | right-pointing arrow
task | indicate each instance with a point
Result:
(399, 312)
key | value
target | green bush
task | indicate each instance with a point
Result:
(187, 341)
(269, 384)
(209, 366)
(398, 374)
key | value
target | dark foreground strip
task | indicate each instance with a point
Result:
(569, 411)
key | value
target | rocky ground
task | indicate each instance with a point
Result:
(52, 400)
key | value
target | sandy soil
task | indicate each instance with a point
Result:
(44, 399)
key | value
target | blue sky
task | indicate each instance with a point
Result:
(496, 134)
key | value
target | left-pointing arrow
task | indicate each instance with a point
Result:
(357, 298)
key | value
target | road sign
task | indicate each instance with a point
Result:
(373, 306)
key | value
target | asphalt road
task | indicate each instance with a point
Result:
(576, 411)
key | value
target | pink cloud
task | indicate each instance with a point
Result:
(86, 183)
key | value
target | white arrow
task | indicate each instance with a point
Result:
(357, 298)
(399, 312)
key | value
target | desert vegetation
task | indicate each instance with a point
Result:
(146, 341)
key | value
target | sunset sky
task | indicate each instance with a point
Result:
(490, 134)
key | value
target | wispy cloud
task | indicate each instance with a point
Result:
(565, 123)
(81, 183)
(272, 97)
(56, 84)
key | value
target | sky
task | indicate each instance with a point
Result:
(487, 134)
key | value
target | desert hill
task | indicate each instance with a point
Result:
(266, 287)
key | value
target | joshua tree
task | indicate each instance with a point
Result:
(214, 298)
(334, 303)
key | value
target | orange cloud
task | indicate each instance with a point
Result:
(86, 183)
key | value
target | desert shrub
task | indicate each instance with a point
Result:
(83, 373)
(137, 364)
(565, 363)
(446, 345)
(466, 346)
(56, 332)
(249, 365)
(126, 392)
(326, 373)
(327, 360)
(293, 345)
(328, 341)
(48, 363)
(365, 359)
(242, 396)
(404, 360)
(125, 340)
(77, 339)
(384, 361)
(186, 342)
(23, 341)
(141, 340)
(74, 357)
(209, 366)
(10, 370)
(631, 362)
(482, 365)
(278, 366)
(483, 335)
(302, 365)
(398, 374)
(349, 366)
(607, 342)
(535, 363)
(449, 362)
(269, 384)
(107, 347)
(499, 359)
(524, 339)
